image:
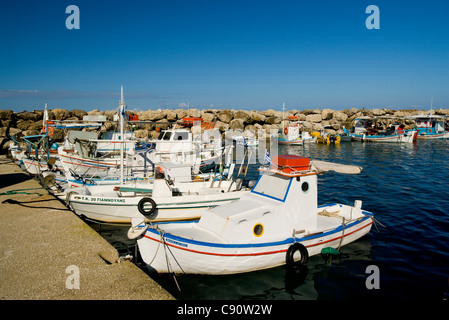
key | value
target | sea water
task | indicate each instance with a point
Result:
(406, 186)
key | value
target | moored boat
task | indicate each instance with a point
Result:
(430, 126)
(267, 227)
(289, 133)
(170, 196)
(366, 130)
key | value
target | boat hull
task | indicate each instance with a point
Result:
(33, 166)
(121, 210)
(290, 142)
(83, 166)
(428, 136)
(167, 253)
(394, 138)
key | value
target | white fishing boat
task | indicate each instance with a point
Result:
(83, 164)
(365, 130)
(306, 137)
(80, 154)
(268, 227)
(197, 147)
(17, 152)
(39, 156)
(289, 133)
(170, 196)
(37, 153)
(38, 166)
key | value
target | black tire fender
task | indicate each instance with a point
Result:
(141, 204)
(289, 260)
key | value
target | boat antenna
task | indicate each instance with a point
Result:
(283, 110)
(121, 115)
(431, 106)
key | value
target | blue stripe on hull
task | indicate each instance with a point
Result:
(258, 245)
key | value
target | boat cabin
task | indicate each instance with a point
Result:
(283, 199)
(176, 135)
(429, 124)
(290, 132)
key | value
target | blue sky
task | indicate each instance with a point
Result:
(242, 54)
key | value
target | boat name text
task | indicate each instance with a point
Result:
(93, 199)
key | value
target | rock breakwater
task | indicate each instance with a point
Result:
(30, 122)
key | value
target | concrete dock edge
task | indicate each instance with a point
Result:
(49, 253)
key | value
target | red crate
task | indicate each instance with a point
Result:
(289, 163)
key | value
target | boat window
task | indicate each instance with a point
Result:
(273, 186)
(166, 136)
(258, 230)
(181, 136)
(305, 187)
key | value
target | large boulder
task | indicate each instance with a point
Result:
(208, 117)
(151, 115)
(268, 113)
(442, 112)
(25, 124)
(7, 118)
(243, 115)
(58, 135)
(378, 112)
(110, 114)
(170, 115)
(6, 114)
(78, 113)
(316, 126)
(326, 114)
(237, 124)
(314, 117)
(257, 117)
(307, 126)
(225, 116)
(26, 115)
(95, 112)
(273, 120)
(194, 112)
(351, 112)
(12, 131)
(61, 114)
(340, 116)
(399, 114)
(35, 126)
(221, 126)
(181, 113)
(308, 111)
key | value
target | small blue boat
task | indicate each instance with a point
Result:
(431, 126)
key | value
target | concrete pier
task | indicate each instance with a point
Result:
(48, 253)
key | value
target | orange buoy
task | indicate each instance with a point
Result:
(51, 130)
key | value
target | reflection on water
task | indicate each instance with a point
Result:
(404, 185)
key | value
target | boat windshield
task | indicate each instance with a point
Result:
(272, 186)
(181, 136)
(166, 136)
(175, 136)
